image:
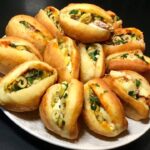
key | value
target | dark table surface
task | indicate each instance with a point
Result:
(134, 13)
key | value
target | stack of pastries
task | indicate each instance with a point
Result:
(76, 62)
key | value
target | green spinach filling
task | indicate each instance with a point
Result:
(58, 104)
(29, 26)
(100, 113)
(85, 17)
(93, 52)
(53, 18)
(123, 39)
(27, 79)
(135, 93)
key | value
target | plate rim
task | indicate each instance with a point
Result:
(8, 114)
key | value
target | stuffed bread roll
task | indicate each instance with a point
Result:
(103, 113)
(22, 88)
(92, 61)
(134, 90)
(30, 29)
(87, 23)
(49, 17)
(61, 107)
(129, 60)
(62, 54)
(14, 51)
(125, 39)
(117, 22)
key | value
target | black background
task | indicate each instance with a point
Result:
(135, 13)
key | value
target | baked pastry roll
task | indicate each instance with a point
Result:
(61, 107)
(14, 51)
(30, 29)
(134, 90)
(124, 39)
(92, 61)
(117, 22)
(87, 23)
(62, 54)
(102, 111)
(129, 60)
(22, 88)
(49, 17)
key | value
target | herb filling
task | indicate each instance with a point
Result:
(32, 28)
(123, 39)
(53, 18)
(93, 51)
(27, 79)
(90, 18)
(100, 113)
(58, 104)
(66, 51)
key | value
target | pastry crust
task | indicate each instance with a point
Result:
(14, 51)
(49, 17)
(134, 91)
(133, 40)
(117, 22)
(71, 111)
(92, 61)
(27, 98)
(62, 54)
(103, 113)
(30, 29)
(88, 32)
(129, 60)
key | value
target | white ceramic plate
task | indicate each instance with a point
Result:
(31, 123)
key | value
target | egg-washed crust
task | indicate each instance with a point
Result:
(128, 60)
(135, 109)
(30, 29)
(10, 56)
(54, 56)
(110, 103)
(44, 19)
(116, 23)
(27, 99)
(132, 45)
(83, 32)
(72, 111)
(89, 68)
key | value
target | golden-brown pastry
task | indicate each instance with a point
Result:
(124, 39)
(14, 51)
(117, 22)
(102, 111)
(22, 88)
(62, 54)
(49, 17)
(61, 107)
(129, 60)
(87, 23)
(92, 61)
(133, 89)
(30, 29)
